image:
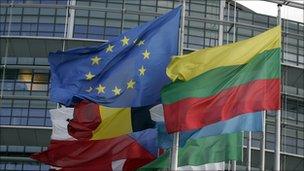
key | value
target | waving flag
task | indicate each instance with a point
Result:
(207, 150)
(219, 83)
(126, 152)
(249, 122)
(96, 122)
(128, 71)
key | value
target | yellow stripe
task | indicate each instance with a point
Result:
(191, 65)
(114, 122)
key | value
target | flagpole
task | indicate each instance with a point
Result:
(7, 41)
(182, 25)
(233, 40)
(234, 21)
(233, 165)
(228, 19)
(262, 142)
(68, 28)
(249, 151)
(174, 152)
(278, 117)
(175, 143)
(221, 27)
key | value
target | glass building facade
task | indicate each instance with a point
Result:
(30, 29)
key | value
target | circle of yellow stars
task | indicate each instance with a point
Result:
(96, 60)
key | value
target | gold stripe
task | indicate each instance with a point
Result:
(114, 122)
(191, 65)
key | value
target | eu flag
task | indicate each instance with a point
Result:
(129, 70)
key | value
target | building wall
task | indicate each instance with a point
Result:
(31, 28)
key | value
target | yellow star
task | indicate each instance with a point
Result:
(142, 42)
(116, 90)
(146, 54)
(124, 41)
(89, 90)
(142, 70)
(89, 76)
(131, 84)
(95, 60)
(109, 48)
(100, 89)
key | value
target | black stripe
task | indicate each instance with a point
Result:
(141, 118)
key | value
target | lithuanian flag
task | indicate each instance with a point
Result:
(219, 83)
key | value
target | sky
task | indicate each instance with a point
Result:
(269, 8)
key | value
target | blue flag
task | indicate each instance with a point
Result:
(247, 122)
(129, 70)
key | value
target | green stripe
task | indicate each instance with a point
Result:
(263, 66)
(204, 150)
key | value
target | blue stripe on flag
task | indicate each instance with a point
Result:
(246, 122)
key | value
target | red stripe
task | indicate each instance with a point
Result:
(91, 166)
(194, 113)
(98, 153)
(86, 119)
(133, 164)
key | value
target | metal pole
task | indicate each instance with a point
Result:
(233, 165)
(175, 143)
(7, 41)
(278, 117)
(174, 152)
(234, 33)
(234, 21)
(182, 25)
(66, 19)
(68, 27)
(228, 19)
(123, 10)
(278, 142)
(249, 152)
(262, 143)
(70, 19)
(221, 27)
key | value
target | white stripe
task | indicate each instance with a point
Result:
(118, 164)
(157, 113)
(209, 166)
(55, 168)
(59, 120)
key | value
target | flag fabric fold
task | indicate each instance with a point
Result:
(205, 167)
(96, 122)
(134, 149)
(124, 76)
(249, 122)
(194, 64)
(220, 83)
(60, 118)
(205, 150)
(129, 70)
